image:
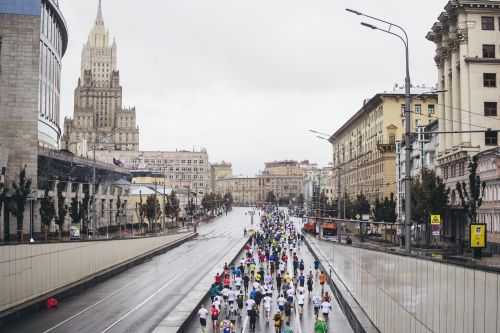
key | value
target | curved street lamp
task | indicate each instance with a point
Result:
(404, 38)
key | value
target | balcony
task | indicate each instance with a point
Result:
(384, 148)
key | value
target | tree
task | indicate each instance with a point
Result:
(140, 210)
(152, 209)
(429, 196)
(228, 201)
(386, 210)
(270, 198)
(219, 202)
(3, 199)
(323, 204)
(172, 206)
(361, 205)
(62, 210)
(472, 199)
(75, 210)
(47, 212)
(190, 207)
(348, 207)
(84, 210)
(21, 192)
(118, 214)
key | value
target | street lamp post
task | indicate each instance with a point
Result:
(407, 137)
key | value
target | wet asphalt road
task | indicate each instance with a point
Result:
(139, 298)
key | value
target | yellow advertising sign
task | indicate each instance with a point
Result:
(436, 219)
(478, 235)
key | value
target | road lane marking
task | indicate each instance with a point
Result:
(140, 305)
(95, 304)
(89, 307)
(137, 307)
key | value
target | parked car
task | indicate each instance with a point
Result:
(74, 233)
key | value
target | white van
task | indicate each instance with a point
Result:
(74, 233)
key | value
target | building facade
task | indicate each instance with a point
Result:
(489, 212)
(33, 41)
(219, 171)
(467, 39)
(243, 189)
(284, 178)
(177, 169)
(364, 148)
(100, 122)
(425, 147)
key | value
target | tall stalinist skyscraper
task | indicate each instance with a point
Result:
(99, 120)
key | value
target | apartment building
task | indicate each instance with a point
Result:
(364, 148)
(243, 189)
(181, 169)
(219, 171)
(467, 40)
(284, 178)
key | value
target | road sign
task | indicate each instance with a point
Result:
(436, 224)
(436, 219)
(477, 232)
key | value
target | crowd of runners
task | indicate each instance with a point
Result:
(271, 283)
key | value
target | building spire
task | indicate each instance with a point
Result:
(99, 20)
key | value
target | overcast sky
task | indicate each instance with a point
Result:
(247, 79)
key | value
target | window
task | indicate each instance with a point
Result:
(402, 110)
(490, 109)
(430, 109)
(488, 51)
(418, 108)
(490, 80)
(487, 23)
(491, 138)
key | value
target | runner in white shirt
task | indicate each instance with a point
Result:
(237, 282)
(217, 303)
(301, 290)
(281, 302)
(250, 303)
(231, 297)
(203, 314)
(316, 300)
(300, 300)
(256, 285)
(267, 306)
(326, 307)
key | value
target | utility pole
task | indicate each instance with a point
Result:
(408, 149)
(339, 193)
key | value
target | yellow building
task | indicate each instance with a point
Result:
(243, 189)
(364, 148)
(219, 171)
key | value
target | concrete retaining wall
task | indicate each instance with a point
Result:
(31, 271)
(407, 294)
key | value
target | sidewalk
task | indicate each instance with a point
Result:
(341, 283)
(488, 264)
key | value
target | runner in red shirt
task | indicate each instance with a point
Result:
(218, 279)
